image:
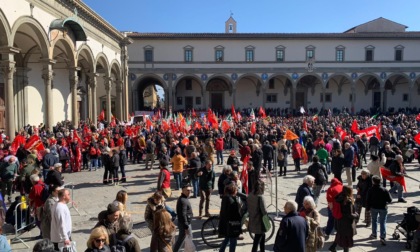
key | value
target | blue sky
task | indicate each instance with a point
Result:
(252, 16)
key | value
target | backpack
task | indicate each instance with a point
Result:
(318, 173)
(45, 193)
(120, 246)
(280, 155)
(64, 152)
(92, 151)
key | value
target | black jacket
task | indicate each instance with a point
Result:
(267, 151)
(377, 198)
(184, 211)
(230, 211)
(302, 192)
(54, 178)
(206, 180)
(292, 234)
(193, 165)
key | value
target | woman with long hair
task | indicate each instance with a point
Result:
(163, 235)
(121, 200)
(98, 240)
(346, 225)
(257, 209)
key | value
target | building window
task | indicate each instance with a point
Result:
(339, 55)
(249, 55)
(271, 84)
(279, 55)
(219, 55)
(310, 52)
(197, 100)
(405, 97)
(271, 98)
(148, 53)
(179, 101)
(369, 53)
(399, 52)
(188, 56)
(188, 84)
(328, 97)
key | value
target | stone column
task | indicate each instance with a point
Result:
(353, 96)
(74, 80)
(119, 100)
(108, 86)
(47, 75)
(21, 96)
(410, 92)
(89, 97)
(8, 69)
(125, 85)
(293, 95)
(92, 86)
(382, 90)
(323, 97)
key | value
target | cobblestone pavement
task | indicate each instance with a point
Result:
(91, 196)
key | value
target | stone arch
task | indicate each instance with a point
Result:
(217, 86)
(5, 31)
(116, 69)
(259, 84)
(306, 91)
(364, 99)
(339, 79)
(102, 60)
(397, 92)
(193, 76)
(249, 91)
(366, 77)
(40, 34)
(276, 76)
(85, 53)
(141, 83)
(224, 77)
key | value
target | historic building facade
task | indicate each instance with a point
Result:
(375, 64)
(59, 61)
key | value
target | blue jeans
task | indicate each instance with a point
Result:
(178, 179)
(232, 241)
(398, 187)
(219, 155)
(93, 164)
(170, 211)
(330, 223)
(382, 221)
(194, 182)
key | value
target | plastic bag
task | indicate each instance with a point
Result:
(67, 248)
(189, 244)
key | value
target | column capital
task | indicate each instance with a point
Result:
(8, 68)
(47, 61)
(9, 50)
(47, 74)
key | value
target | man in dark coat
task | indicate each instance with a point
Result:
(54, 176)
(185, 215)
(305, 189)
(293, 230)
(268, 153)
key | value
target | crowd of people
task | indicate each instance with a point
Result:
(190, 151)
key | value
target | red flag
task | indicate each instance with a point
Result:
(305, 126)
(418, 117)
(19, 139)
(101, 116)
(165, 125)
(233, 112)
(148, 123)
(193, 114)
(370, 131)
(244, 174)
(417, 138)
(185, 141)
(197, 125)
(76, 136)
(341, 132)
(238, 116)
(32, 142)
(39, 146)
(262, 112)
(253, 128)
(355, 126)
(128, 131)
(225, 126)
(386, 174)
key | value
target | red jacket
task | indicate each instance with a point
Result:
(335, 188)
(164, 180)
(219, 144)
(297, 151)
(244, 151)
(36, 194)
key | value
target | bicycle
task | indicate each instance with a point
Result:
(210, 230)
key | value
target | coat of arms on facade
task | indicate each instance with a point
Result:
(310, 65)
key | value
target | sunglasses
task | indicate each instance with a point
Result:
(100, 240)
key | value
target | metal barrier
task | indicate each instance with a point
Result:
(23, 219)
(70, 186)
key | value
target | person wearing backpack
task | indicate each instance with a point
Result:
(318, 171)
(94, 154)
(335, 188)
(124, 236)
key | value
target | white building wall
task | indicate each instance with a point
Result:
(36, 95)
(182, 92)
(246, 96)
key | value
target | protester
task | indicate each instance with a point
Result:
(313, 219)
(226, 173)
(348, 162)
(282, 160)
(163, 236)
(206, 177)
(61, 223)
(164, 180)
(346, 225)
(230, 226)
(185, 215)
(46, 211)
(4, 244)
(304, 190)
(293, 230)
(121, 199)
(318, 171)
(363, 186)
(54, 176)
(125, 236)
(178, 163)
(397, 169)
(109, 219)
(98, 240)
(256, 210)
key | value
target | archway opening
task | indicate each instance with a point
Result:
(217, 89)
(150, 94)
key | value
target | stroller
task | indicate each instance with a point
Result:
(408, 225)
